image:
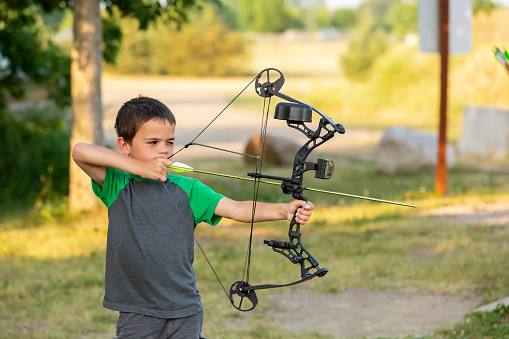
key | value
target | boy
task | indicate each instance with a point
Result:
(152, 216)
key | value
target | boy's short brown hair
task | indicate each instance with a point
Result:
(138, 111)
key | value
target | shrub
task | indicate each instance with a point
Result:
(34, 157)
(202, 47)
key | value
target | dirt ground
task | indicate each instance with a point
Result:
(356, 313)
(352, 313)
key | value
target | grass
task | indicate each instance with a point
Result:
(480, 325)
(52, 264)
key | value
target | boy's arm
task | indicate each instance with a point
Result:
(93, 160)
(242, 210)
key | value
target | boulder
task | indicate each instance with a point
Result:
(405, 149)
(278, 151)
(485, 133)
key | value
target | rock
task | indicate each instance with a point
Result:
(485, 133)
(405, 149)
(278, 151)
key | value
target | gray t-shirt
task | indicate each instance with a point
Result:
(150, 246)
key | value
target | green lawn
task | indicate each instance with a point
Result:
(52, 264)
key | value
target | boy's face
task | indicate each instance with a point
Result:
(154, 139)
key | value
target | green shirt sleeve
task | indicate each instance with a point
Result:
(114, 181)
(202, 199)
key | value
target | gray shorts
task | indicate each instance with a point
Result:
(133, 325)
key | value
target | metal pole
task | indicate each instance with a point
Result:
(441, 170)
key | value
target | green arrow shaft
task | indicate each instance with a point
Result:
(360, 197)
(307, 188)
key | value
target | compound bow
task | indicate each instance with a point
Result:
(296, 114)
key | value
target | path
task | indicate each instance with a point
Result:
(195, 102)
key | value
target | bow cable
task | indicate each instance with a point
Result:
(201, 249)
(174, 203)
(256, 185)
(210, 123)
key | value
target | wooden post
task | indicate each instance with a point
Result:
(441, 170)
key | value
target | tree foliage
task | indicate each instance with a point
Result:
(205, 46)
(35, 156)
(377, 19)
(28, 53)
(266, 16)
(402, 18)
(483, 6)
(345, 18)
(391, 16)
(363, 50)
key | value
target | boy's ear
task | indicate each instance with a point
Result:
(123, 146)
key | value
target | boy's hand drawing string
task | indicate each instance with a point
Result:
(242, 295)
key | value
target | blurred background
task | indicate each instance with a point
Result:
(358, 61)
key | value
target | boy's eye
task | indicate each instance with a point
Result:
(169, 142)
(152, 142)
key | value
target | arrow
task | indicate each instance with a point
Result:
(183, 168)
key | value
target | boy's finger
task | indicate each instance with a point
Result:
(167, 162)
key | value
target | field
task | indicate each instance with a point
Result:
(53, 263)
(393, 271)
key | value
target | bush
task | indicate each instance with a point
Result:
(202, 47)
(34, 157)
(363, 50)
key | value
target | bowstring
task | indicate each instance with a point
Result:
(215, 118)
(256, 185)
(199, 246)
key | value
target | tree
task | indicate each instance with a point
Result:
(86, 59)
(483, 6)
(203, 46)
(402, 17)
(392, 16)
(363, 50)
(28, 54)
(378, 11)
(322, 18)
(265, 16)
(344, 18)
(32, 155)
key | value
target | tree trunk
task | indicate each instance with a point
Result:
(86, 59)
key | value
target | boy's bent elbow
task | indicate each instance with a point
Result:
(77, 151)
